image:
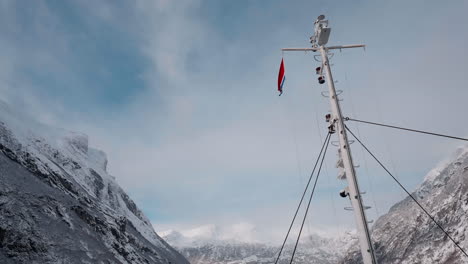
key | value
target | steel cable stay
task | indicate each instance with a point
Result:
(404, 128)
(407, 192)
(332, 196)
(324, 147)
(369, 178)
(310, 200)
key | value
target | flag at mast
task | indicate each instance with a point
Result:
(281, 78)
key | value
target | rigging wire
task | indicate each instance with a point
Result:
(325, 143)
(332, 196)
(409, 194)
(369, 178)
(293, 131)
(310, 199)
(292, 125)
(321, 140)
(378, 103)
(403, 128)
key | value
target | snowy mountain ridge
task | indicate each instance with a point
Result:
(78, 174)
(214, 244)
(406, 235)
(215, 234)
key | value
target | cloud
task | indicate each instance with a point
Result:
(197, 134)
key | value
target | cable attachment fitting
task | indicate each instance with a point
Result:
(345, 192)
(331, 127)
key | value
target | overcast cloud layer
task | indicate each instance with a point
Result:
(181, 96)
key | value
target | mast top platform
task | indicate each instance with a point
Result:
(321, 36)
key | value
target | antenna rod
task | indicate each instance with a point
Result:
(319, 40)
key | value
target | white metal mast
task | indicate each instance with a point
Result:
(319, 40)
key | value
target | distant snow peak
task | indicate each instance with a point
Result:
(458, 154)
(240, 243)
(202, 232)
(77, 140)
(432, 174)
(242, 232)
(98, 157)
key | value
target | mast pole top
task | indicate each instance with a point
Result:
(320, 38)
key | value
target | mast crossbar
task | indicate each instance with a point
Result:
(328, 48)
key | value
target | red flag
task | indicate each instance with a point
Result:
(281, 78)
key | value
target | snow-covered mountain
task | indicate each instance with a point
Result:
(406, 235)
(58, 204)
(238, 244)
(240, 232)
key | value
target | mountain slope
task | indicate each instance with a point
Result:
(58, 204)
(406, 235)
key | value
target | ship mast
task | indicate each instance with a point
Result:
(319, 41)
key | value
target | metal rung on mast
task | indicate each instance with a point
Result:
(348, 208)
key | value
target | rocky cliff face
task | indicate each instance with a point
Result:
(58, 204)
(406, 235)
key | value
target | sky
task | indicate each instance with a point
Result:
(181, 95)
